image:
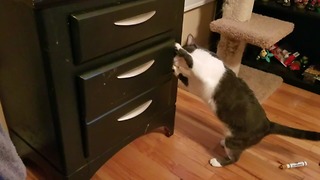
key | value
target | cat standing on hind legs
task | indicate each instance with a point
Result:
(205, 75)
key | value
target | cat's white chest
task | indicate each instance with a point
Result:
(207, 72)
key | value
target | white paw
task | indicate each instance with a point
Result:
(177, 46)
(175, 69)
(215, 163)
(223, 142)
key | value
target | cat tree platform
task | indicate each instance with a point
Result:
(262, 31)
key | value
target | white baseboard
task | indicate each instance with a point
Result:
(192, 4)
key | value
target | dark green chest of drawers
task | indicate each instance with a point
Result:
(80, 79)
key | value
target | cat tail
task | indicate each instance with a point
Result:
(276, 128)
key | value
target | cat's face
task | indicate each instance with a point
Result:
(197, 68)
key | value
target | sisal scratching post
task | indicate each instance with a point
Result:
(231, 49)
(239, 26)
(238, 10)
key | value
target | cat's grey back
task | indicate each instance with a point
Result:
(236, 104)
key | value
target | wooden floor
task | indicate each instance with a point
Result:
(185, 155)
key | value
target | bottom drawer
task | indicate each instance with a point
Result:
(122, 121)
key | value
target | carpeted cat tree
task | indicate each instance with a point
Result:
(239, 26)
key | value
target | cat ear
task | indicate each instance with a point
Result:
(190, 40)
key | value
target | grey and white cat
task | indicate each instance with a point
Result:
(229, 97)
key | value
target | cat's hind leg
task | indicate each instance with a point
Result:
(232, 157)
(232, 150)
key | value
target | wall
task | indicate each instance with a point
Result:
(196, 22)
(192, 4)
(2, 120)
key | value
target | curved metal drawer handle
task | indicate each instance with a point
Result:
(136, 19)
(135, 112)
(136, 71)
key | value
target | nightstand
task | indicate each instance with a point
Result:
(80, 79)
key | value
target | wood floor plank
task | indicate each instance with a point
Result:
(185, 155)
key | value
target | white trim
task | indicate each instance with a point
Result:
(192, 4)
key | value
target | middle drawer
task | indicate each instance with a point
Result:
(107, 86)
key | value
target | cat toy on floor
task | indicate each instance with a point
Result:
(265, 55)
(293, 165)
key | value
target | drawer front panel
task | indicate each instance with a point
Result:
(110, 85)
(101, 31)
(116, 126)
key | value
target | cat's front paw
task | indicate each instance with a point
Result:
(177, 46)
(223, 143)
(215, 163)
(175, 70)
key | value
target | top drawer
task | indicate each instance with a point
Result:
(98, 32)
